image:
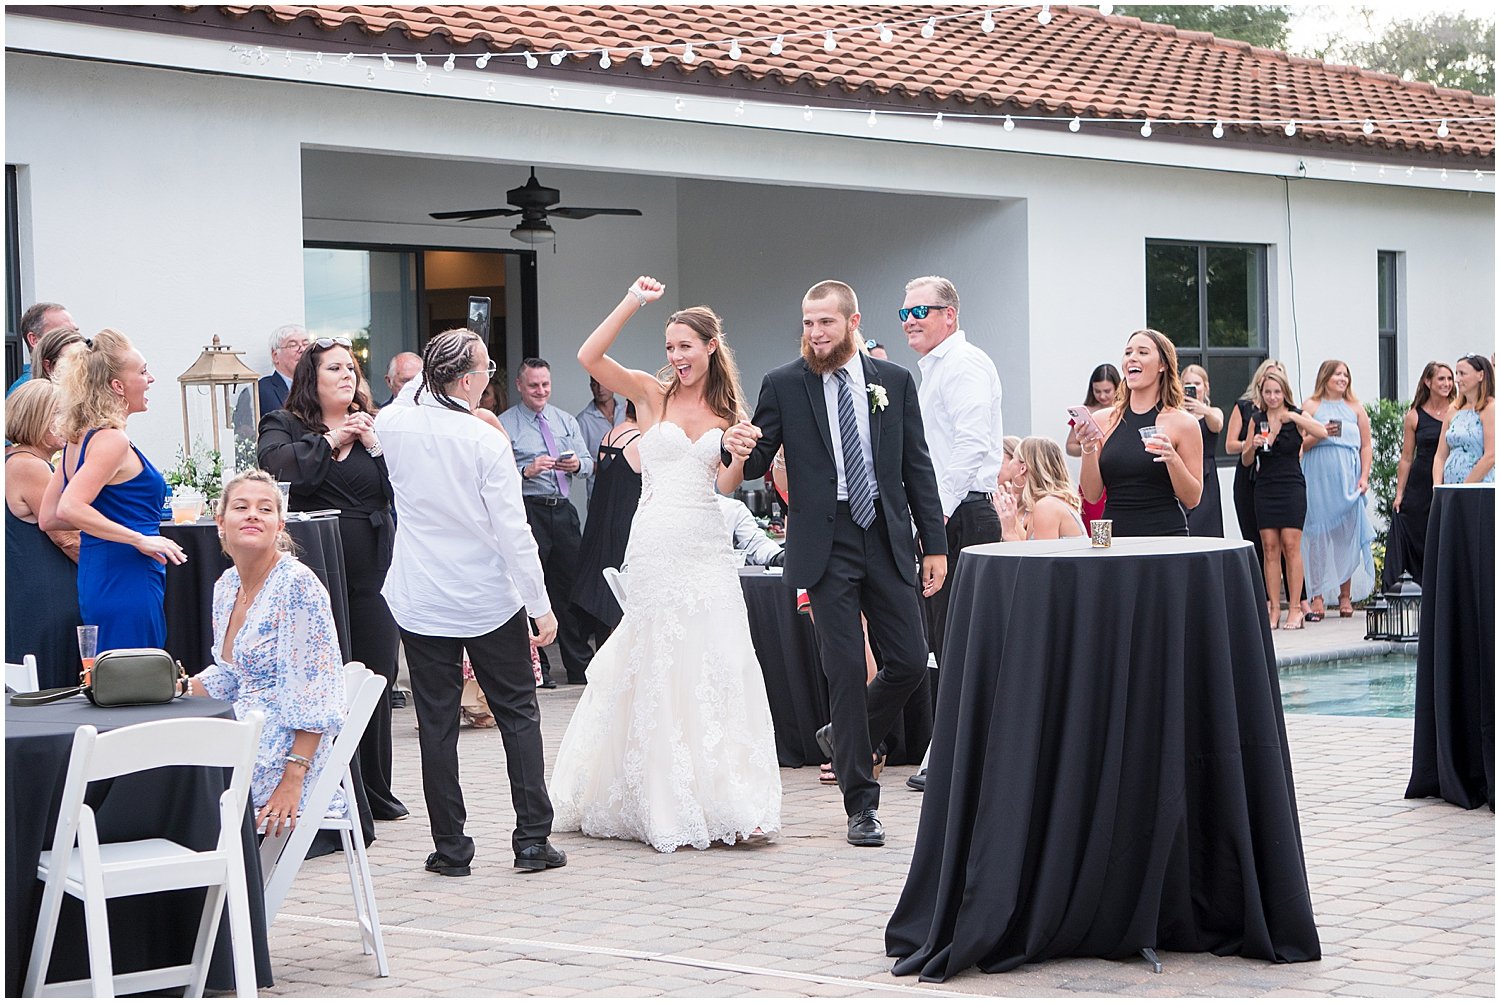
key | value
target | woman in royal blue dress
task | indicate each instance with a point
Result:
(1466, 449)
(107, 489)
(1338, 534)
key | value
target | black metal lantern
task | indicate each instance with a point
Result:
(1377, 615)
(1405, 615)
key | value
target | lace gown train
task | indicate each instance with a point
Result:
(671, 743)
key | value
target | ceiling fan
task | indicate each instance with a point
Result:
(533, 202)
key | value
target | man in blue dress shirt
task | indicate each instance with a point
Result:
(38, 319)
(554, 459)
(288, 342)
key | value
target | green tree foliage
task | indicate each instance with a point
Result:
(1385, 438)
(1446, 49)
(1264, 25)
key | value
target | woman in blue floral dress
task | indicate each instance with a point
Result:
(1466, 449)
(275, 651)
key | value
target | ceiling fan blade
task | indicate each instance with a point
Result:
(466, 214)
(574, 212)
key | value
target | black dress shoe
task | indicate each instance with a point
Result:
(395, 812)
(865, 829)
(546, 684)
(398, 699)
(918, 781)
(540, 857)
(824, 737)
(439, 864)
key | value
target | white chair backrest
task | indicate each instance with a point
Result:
(21, 676)
(617, 581)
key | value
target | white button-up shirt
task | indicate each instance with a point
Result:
(465, 560)
(856, 369)
(960, 398)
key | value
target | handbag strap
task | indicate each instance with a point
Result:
(44, 696)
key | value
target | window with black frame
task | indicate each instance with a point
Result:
(1387, 271)
(13, 359)
(1210, 299)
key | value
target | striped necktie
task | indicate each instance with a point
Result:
(856, 474)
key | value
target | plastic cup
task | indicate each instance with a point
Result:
(1102, 532)
(88, 649)
(1146, 435)
(186, 507)
(285, 487)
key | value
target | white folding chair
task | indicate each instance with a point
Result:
(79, 865)
(617, 581)
(22, 678)
(282, 856)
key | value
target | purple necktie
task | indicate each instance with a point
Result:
(551, 444)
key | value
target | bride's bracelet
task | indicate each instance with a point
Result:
(640, 297)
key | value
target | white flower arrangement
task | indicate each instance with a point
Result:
(878, 399)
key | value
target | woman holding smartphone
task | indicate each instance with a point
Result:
(1104, 383)
(1280, 490)
(1145, 452)
(1207, 518)
(1336, 543)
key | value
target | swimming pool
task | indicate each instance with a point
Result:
(1382, 686)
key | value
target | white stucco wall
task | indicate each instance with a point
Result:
(176, 207)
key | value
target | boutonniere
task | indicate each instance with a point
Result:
(878, 398)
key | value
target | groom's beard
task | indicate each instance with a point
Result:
(835, 359)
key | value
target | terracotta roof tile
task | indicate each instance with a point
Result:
(1081, 63)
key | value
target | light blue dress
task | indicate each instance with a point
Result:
(1337, 534)
(1465, 448)
(286, 664)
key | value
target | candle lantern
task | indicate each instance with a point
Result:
(233, 403)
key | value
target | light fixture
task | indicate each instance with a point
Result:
(828, 43)
(1218, 130)
(937, 123)
(421, 63)
(556, 59)
(734, 49)
(534, 231)
(1044, 16)
(885, 32)
(687, 52)
(530, 61)
(1368, 127)
(1010, 125)
(988, 24)
(777, 46)
(1442, 129)
(1076, 124)
(807, 113)
(482, 61)
(1146, 129)
(646, 58)
(1106, 9)
(604, 61)
(1291, 128)
(871, 120)
(449, 63)
(930, 28)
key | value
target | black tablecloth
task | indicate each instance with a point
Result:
(787, 647)
(1453, 744)
(190, 586)
(180, 803)
(1109, 767)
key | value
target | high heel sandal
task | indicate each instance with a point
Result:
(1298, 624)
(826, 775)
(1346, 609)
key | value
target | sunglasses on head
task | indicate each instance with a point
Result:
(323, 344)
(920, 312)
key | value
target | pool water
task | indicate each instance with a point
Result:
(1383, 686)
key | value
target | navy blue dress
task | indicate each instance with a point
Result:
(41, 604)
(120, 589)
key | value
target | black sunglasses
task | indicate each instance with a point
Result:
(920, 312)
(323, 344)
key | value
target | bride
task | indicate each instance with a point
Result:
(671, 743)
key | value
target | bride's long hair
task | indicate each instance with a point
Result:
(721, 389)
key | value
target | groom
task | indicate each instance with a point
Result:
(858, 475)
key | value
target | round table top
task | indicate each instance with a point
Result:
(1463, 487)
(1124, 546)
(63, 717)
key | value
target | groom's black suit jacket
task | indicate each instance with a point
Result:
(792, 411)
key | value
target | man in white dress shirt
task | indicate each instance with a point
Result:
(960, 396)
(464, 576)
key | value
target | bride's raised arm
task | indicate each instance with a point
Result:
(642, 388)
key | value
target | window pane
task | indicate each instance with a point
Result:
(1228, 376)
(1386, 280)
(366, 296)
(1235, 308)
(1172, 292)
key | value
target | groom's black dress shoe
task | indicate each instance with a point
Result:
(824, 737)
(439, 864)
(865, 829)
(918, 781)
(539, 857)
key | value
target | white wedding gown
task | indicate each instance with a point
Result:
(671, 743)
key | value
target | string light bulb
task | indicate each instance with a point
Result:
(1291, 128)
(1442, 129)
(1218, 130)
(1010, 124)
(937, 123)
(556, 59)
(828, 43)
(1368, 128)
(385, 62)
(777, 46)
(531, 63)
(885, 33)
(988, 24)
(734, 50)
(1146, 129)
(646, 58)
(482, 61)
(1044, 16)
(930, 28)
(688, 55)
(604, 61)
(1106, 9)
(421, 63)
(1076, 124)
(449, 63)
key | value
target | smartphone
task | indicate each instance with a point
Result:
(1082, 420)
(1191, 392)
(1335, 428)
(566, 454)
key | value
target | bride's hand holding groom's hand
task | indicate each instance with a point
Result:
(740, 439)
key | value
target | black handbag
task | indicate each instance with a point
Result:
(121, 677)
